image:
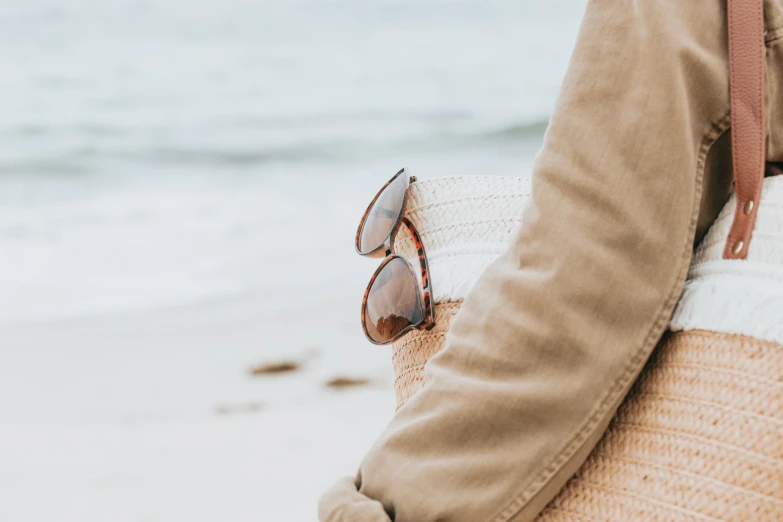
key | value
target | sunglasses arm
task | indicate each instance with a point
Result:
(426, 284)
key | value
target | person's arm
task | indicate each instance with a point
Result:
(548, 342)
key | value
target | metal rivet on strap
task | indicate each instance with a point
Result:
(749, 207)
(738, 246)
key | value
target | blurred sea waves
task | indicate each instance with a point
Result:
(157, 153)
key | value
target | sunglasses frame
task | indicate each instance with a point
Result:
(385, 249)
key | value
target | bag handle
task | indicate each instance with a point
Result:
(747, 54)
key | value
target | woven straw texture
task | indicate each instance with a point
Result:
(700, 435)
(699, 438)
(411, 353)
(465, 210)
(739, 297)
(465, 223)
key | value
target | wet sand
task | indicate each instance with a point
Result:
(202, 413)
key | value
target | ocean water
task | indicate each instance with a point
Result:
(165, 152)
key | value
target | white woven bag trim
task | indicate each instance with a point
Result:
(465, 223)
(767, 244)
(732, 296)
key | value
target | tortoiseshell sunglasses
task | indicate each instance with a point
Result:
(396, 301)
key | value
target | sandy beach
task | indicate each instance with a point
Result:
(180, 185)
(157, 416)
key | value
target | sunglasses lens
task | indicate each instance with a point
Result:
(393, 301)
(383, 215)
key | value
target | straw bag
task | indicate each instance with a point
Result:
(464, 224)
(700, 435)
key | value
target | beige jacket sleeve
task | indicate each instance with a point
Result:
(551, 338)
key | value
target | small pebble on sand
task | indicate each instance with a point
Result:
(276, 368)
(339, 383)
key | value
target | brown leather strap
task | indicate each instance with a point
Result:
(748, 128)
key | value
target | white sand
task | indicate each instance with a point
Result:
(117, 418)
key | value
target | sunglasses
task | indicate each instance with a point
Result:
(397, 300)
